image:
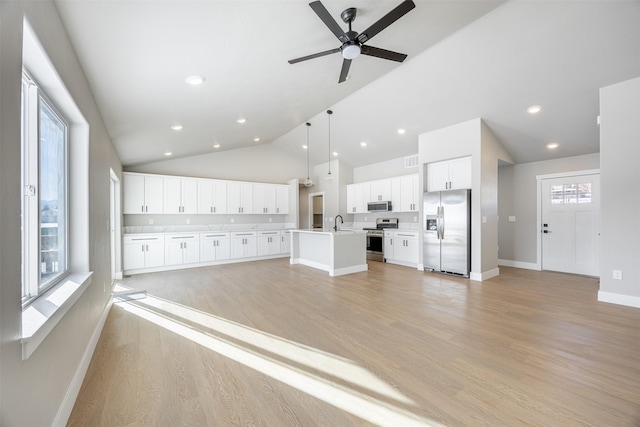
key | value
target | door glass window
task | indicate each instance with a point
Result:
(570, 193)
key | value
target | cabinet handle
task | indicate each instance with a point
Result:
(214, 209)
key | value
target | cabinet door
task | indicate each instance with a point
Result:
(264, 246)
(460, 173)
(191, 251)
(205, 196)
(237, 247)
(380, 190)
(351, 198)
(172, 200)
(387, 248)
(246, 197)
(189, 195)
(409, 193)
(173, 252)
(220, 197)
(223, 249)
(259, 198)
(366, 197)
(207, 250)
(133, 193)
(396, 194)
(133, 255)
(153, 194)
(234, 200)
(285, 242)
(282, 199)
(438, 176)
(154, 256)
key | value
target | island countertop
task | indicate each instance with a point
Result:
(337, 252)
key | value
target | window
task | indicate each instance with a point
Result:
(45, 135)
(571, 193)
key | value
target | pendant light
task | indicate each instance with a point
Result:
(329, 113)
(308, 182)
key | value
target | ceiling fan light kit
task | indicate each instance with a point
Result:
(353, 44)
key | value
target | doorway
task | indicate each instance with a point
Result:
(316, 210)
(114, 226)
(570, 223)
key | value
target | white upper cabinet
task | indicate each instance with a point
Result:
(357, 197)
(264, 198)
(449, 175)
(404, 193)
(282, 199)
(180, 195)
(239, 197)
(212, 196)
(380, 191)
(143, 194)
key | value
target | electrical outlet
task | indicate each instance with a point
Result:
(365, 218)
(617, 274)
(270, 219)
(232, 220)
(188, 221)
(150, 221)
(484, 219)
(415, 219)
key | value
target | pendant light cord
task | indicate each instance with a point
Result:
(329, 112)
(308, 149)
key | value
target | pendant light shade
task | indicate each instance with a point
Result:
(308, 182)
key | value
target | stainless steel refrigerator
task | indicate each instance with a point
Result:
(447, 232)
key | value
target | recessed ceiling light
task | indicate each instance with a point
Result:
(256, 139)
(552, 145)
(176, 127)
(216, 145)
(534, 109)
(168, 153)
(241, 120)
(335, 153)
(363, 144)
(304, 146)
(195, 80)
(401, 131)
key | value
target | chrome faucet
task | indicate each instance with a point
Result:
(335, 222)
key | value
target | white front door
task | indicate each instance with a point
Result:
(571, 224)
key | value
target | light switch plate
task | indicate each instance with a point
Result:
(512, 218)
(617, 274)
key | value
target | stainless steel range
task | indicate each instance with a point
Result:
(375, 237)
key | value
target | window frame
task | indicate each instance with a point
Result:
(33, 98)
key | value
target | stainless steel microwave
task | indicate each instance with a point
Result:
(379, 206)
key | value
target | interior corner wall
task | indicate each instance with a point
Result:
(32, 391)
(619, 179)
(491, 152)
(517, 240)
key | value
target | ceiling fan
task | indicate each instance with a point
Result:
(353, 44)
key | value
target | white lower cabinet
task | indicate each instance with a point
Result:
(285, 242)
(244, 244)
(214, 247)
(142, 251)
(401, 247)
(268, 242)
(181, 249)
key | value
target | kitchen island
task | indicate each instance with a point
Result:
(337, 252)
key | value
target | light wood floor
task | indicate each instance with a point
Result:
(269, 344)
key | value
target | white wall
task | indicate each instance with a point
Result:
(619, 180)
(517, 197)
(261, 163)
(386, 169)
(32, 391)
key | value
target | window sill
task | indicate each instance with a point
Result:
(42, 315)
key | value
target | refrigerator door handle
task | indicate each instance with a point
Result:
(439, 223)
(442, 222)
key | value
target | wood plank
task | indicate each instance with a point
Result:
(524, 348)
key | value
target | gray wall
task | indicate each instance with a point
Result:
(619, 180)
(517, 197)
(32, 391)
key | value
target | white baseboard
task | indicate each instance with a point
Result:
(519, 264)
(64, 411)
(485, 275)
(620, 299)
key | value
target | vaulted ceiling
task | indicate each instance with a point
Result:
(466, 59)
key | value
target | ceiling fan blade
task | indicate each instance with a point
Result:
(328, 20)
(386, 20)
(344, 73)
(383, 53)
(315, 55)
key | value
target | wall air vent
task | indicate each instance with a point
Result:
(411, 161)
